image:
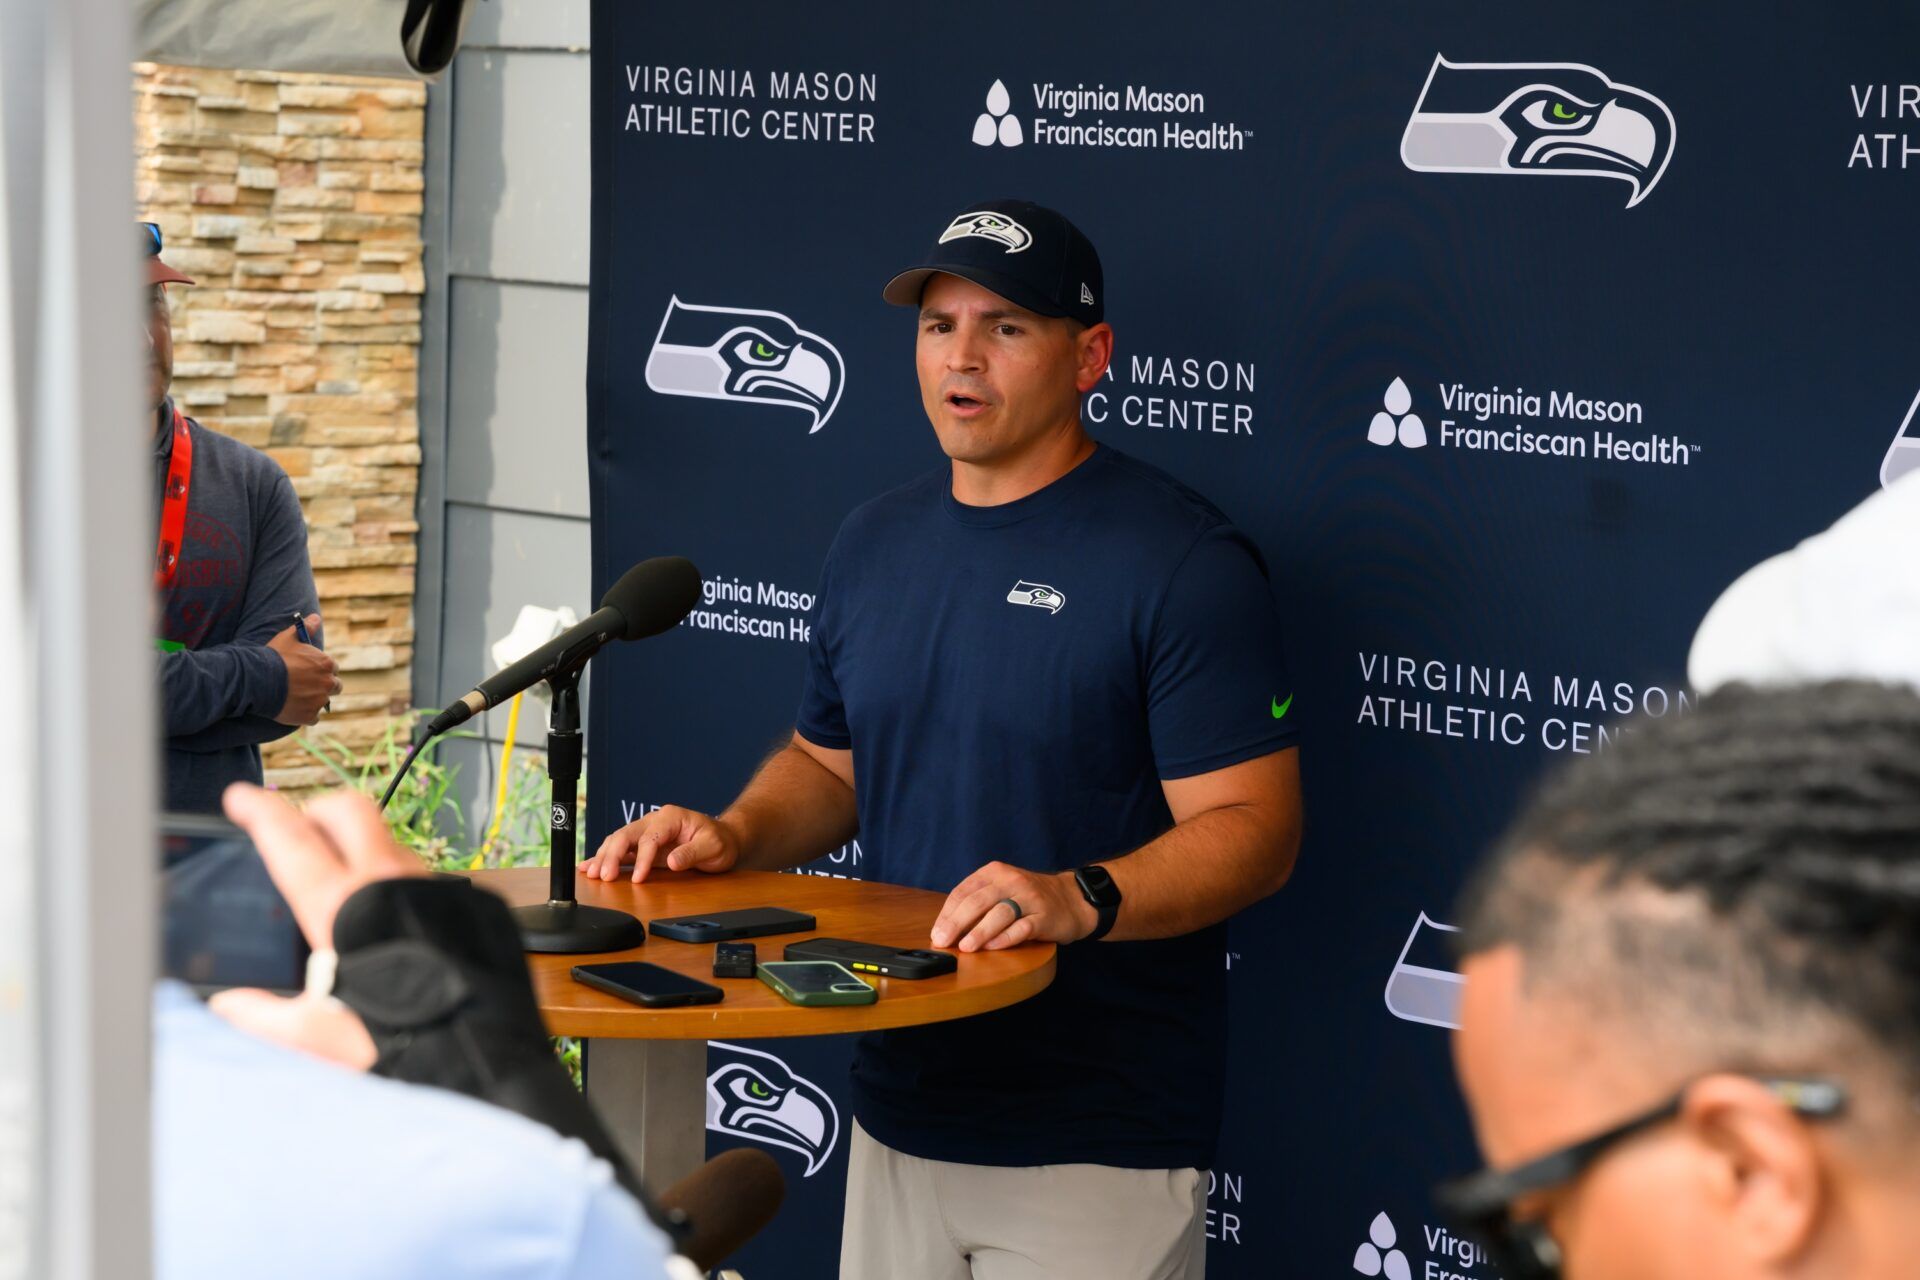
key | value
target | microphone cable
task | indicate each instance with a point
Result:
(401, 772)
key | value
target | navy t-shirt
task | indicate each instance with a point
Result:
(1014, 682)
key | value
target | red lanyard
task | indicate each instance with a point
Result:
(173, 505)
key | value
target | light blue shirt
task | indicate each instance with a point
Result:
(268, 1162)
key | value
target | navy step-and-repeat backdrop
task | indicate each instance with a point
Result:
(1511, 335)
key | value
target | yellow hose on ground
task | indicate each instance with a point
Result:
(500, 793)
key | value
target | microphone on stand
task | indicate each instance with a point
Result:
(649, 598)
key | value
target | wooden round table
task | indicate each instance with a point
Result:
(647, 1067)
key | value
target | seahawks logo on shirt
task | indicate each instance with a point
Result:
(1036, 594)
(997, 227)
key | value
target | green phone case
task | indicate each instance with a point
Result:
(844, 979)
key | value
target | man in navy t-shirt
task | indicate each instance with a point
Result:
(1047, 680)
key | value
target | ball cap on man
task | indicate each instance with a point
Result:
(158, 272)
(1028, 254)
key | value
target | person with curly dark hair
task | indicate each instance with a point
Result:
(1690, 1034)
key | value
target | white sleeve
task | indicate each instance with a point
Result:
(617, 1242)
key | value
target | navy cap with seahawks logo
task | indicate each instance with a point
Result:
(1029, 255)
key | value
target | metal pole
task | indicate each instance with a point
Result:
(78, 423)
(560, 924)
(563, 773)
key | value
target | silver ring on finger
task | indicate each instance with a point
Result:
(1017, 912)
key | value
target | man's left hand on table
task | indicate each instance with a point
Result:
(977, 917)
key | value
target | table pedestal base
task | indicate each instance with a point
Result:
(652, 1095)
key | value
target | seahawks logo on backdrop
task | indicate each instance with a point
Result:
(997, 227)
(1542, 118)
(753, 1095)
(753, 357)
(1424, 985)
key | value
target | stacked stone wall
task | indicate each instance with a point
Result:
(294, 201)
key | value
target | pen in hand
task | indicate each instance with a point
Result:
(301, 634)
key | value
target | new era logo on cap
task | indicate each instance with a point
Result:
(1028, 254)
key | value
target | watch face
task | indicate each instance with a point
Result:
(1098, 885)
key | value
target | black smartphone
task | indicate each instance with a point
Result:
(647, 984)
(730, 926)
(872, 957)
(223, 923)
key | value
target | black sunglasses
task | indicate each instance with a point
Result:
(1523, 1249)
(150, 244)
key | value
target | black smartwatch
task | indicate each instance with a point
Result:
(1098, 888)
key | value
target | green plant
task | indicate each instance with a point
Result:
(425, 813)
(519, 828)
(567, 1049)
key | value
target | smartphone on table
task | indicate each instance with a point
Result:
(815, 982)
(647, 984)
(730, 926)
(872, 957)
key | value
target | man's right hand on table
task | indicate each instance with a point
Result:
(671, 836)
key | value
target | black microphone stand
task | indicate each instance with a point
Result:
(561, 925)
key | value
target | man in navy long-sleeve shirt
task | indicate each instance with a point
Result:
(231, 575)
